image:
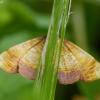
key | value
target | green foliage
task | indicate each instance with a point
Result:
(21, 20)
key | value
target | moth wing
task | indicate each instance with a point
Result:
(69, 68)
(29, 63)
(10, 58)
(89, 67)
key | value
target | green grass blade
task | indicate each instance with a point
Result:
(45, 83)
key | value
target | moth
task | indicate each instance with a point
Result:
(75, 63)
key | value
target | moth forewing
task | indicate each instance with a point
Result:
(10, 58)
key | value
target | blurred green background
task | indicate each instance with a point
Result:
(21, 20)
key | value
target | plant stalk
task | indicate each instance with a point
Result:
(46, 78)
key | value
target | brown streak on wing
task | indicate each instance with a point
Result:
(68, 77)
(27, 71)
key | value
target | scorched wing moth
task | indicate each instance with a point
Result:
(75, 63)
